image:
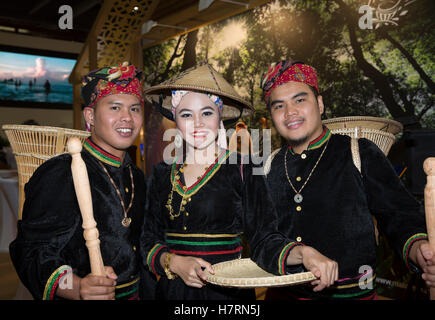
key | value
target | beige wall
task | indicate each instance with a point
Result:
(45, 117)
(25, 41)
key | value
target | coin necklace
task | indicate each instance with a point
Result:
(126, 220)
(185, 198)
(172, 216)
(298, 196)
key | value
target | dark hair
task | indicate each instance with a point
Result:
(31, 122)
(313, 90)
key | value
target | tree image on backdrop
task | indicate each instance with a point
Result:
(384, 71)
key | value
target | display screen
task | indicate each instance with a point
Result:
(35, 79)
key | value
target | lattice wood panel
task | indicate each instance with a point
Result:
(115, 30)
(121, 27)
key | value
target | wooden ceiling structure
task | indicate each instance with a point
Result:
(123, 28)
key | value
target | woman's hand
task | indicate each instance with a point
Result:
(322, 267)
(190, 269)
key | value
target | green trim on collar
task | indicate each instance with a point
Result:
(183, 190)
(101, 155)
(318, 142)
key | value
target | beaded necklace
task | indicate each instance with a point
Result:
(126, 220)
(298, 196)
(187, 193)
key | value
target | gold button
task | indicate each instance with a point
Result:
(184, 228)
(303, 155)
(126, 189)
(298, 179)
(134, 248)
(187, 214)
(298, 208)
(298, 239)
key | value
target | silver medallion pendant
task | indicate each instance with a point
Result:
(126, 222)
(298, 198)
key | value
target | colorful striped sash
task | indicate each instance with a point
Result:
(204, 244)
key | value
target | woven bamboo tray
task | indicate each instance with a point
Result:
(380, 131)
(244, 273)
(33, 145)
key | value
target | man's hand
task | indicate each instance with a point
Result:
(321, 266)
(97, 287)
(424, 256)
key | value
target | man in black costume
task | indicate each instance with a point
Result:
(50, 254)
(323, 199)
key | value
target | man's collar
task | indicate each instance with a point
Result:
(318, 142)
(103, 155)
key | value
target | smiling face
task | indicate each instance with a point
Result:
(296, 113)
(198, 119)
(115, 122)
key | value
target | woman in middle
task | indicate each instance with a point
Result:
(201, 203)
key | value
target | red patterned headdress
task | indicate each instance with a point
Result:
(122, 78)
(285, 71)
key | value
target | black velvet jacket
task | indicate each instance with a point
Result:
(50, 239)
(211, 226)
(335, 216)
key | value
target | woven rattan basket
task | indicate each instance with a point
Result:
(32, 145)
(381, 131)
(244, 273)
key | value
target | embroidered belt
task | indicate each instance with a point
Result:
(207, 246)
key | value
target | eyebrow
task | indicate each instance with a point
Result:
(202, 109)
(297, 95)
(121, 103)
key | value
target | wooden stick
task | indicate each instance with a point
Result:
(84, 198)
(429, 206)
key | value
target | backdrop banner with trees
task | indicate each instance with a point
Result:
(373, 58)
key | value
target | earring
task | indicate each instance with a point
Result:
(178, 141)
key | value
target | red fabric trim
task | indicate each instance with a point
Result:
(102, 151)
(53, 288)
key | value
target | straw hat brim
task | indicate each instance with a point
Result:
(244, 273)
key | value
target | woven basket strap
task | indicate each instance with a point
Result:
(269, 160)
(355, 153)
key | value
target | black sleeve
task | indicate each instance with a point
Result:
(49, 219)
(152, 243)
(268, 247)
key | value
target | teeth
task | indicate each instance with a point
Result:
(293, 123)
(124, 130)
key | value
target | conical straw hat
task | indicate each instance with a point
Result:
(204, 78)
